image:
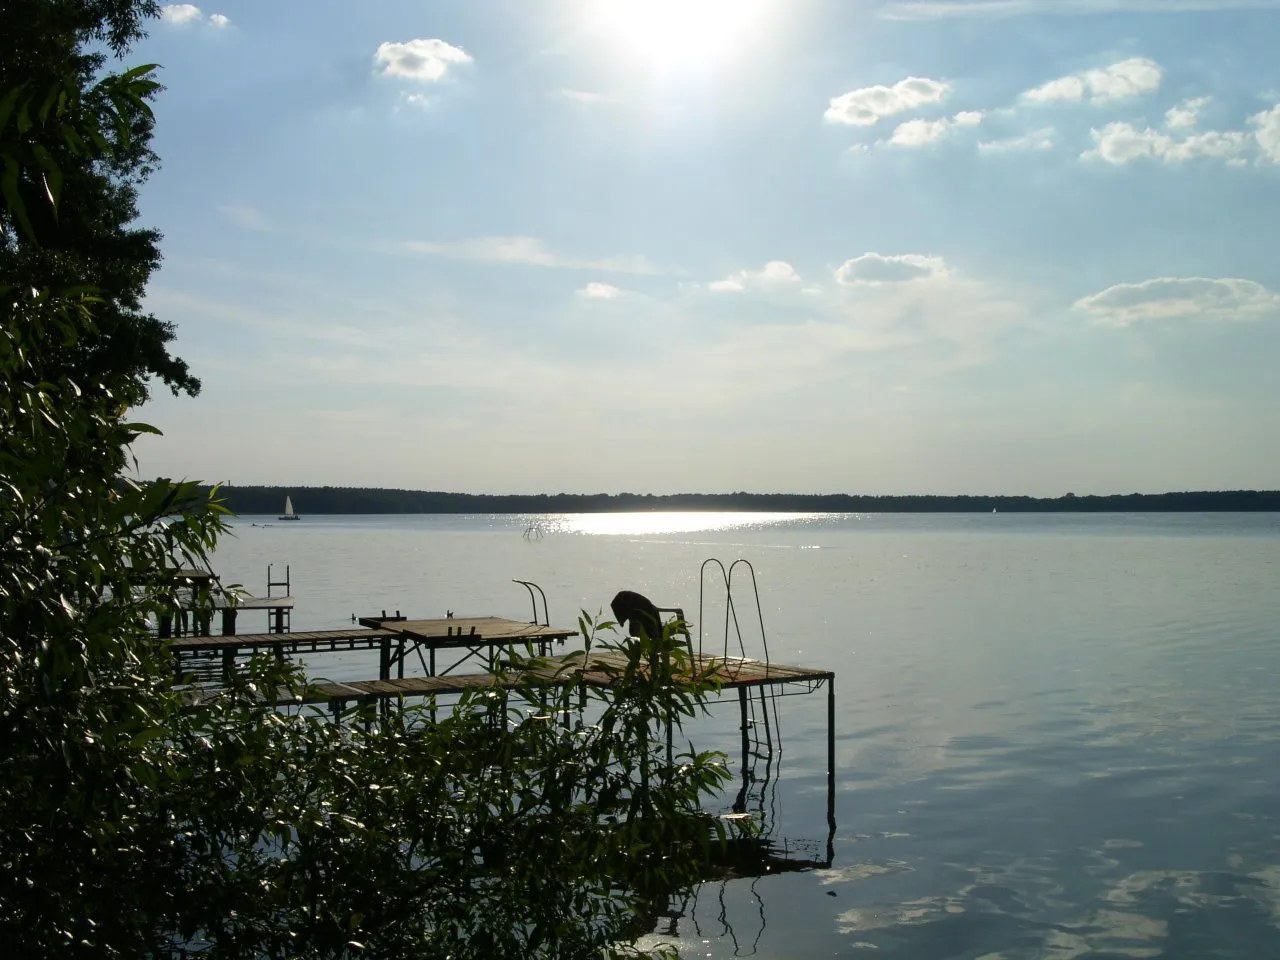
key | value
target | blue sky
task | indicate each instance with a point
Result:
(958, 246)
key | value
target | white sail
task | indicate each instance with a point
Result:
(288, 507)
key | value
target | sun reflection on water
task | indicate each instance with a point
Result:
(672, 521)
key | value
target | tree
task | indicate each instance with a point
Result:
(139, 820)
(89, 238)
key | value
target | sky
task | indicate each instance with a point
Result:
(811, 246)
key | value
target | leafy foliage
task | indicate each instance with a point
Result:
(52, 55)
(497, 831)
(139, 820)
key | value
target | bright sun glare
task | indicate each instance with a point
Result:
(678, 32)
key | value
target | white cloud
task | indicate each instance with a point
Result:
(1064, 88)
(1120, 81)
(426, 61)
(1186, 115)
(999, 9)
(181, 13)
(599, 291)
(1268, 133)
(863, 107)
(529, 251)
(773, 273)
(244, 216)
(184, 13)
(1120, 143)
(726, 286)
(1035, 140)
(778, 271)
(873, 269)
(918, 133)
(1169, 298)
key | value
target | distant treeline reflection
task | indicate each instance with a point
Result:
(313, 500)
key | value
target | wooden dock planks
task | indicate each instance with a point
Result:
(312, 640)
(730, 673)
(456, 631)
(599, 669)
(440, 634)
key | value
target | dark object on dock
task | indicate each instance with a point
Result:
(637, 613)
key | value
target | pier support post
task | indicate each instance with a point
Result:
(831, 769)
(384, 659)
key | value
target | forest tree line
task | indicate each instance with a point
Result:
(257, 500)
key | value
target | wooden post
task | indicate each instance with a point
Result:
(229, 621)
(831, 769)
(384, 659)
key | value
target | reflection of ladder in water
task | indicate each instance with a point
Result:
(759, 732)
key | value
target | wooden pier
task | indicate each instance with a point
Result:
(487, 642)
(595, 669)
(481, 639)
(198, 594)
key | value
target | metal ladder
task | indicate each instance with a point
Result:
(283, 617)
(761, 736)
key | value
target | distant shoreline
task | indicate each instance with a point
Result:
(269, 500)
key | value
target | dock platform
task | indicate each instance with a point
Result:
(597, 670)
(467, 638)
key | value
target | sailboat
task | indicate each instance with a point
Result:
(288, 511)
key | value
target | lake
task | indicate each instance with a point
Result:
(1057, 735)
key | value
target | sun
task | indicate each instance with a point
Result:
(676, 33)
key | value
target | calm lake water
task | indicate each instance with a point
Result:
(1056, 736)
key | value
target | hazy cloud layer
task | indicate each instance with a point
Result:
(244, 216)
(425, 61)
(599, 291)
(1035, 140)
(529, 251)
(1170, 298)
(865, 106)
(584, 96)
(774, 273)
(999, 9)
